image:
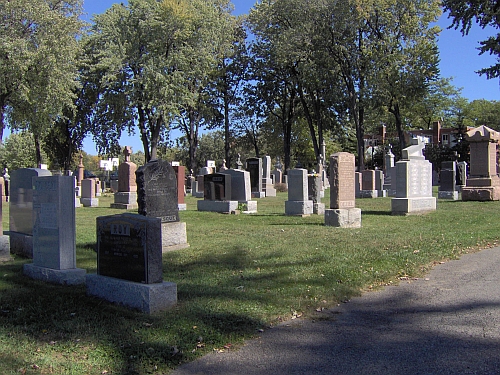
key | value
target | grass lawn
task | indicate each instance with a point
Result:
(240, 274)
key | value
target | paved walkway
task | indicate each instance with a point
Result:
(445, 323)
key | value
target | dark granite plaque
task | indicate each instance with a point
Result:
(217, 187)
(447, 176)
(254, 166)
(157, 191)
(129, 248)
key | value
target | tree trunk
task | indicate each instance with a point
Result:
(144, 134)
(38, 153)
(227, 146)
(394, 109)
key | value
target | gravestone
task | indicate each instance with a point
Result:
(217, 194)
(358, 184)
(240, 190)
(448, 179)
(414, 182)
(80, 176)
(461, 174)
(180, 173)
(4, 239)
(198, 187)
(126, 196)
(315, 190)
(483, 183)
(88, 194)
(368, 189)
(343, 212)
(129, 264)
(379, 183)
(157, 197)
(21, 210)
(298, 203)
(54, 232)
(277, 176)
(254, 166)
(267, 183)
(6, 178)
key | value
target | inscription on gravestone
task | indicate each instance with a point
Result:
(342, 166)
(217, 187)
(157, 191)
(122, 250)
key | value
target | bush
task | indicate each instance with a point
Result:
(281, 187)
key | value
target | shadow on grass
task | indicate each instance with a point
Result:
(376, 213)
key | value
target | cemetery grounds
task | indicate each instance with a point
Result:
(241, 274)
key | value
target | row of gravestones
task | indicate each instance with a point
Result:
(129, 246)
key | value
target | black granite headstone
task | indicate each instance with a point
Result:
(254, 166)
(129, 248)
(217, 187)
(447, 176)
(157, 191)
(461, 173)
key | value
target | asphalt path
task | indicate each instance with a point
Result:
(447, 322)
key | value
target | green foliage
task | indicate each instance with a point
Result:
(18, 151)
(150, 58)
(38, 71)
(486, 14)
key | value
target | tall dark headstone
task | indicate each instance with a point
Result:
(157, 191)
(217, 187)
(254, 166)
(157, 197)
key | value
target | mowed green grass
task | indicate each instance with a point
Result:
(241, 273)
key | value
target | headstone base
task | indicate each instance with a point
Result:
(148, 298)
(343, 218)
(258, 194)
(249, 207)
(452, 195)
(4, 248)
(125, 200)
(198, 194)
(21, 244)
(77, 202)
(368, 194)
(225, 207)
(90, 202)
(298, 208)
(318, 208)
(477, 193)
(270, 191)
(173, 236)
(182, 206)
(413, 206)
(72, 276)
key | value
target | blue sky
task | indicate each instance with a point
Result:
(459, 59)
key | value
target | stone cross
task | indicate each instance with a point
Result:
(127, 151)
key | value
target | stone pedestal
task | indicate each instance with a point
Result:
(74, 276)
(218, 206)
(89, 202)
(173, 236)
(413, 206)
(343, 218)
(480, 193)
(21, 244)
(125, 201)
(4, 249)
(299, 208)
(249, 207)
(451, 195)
(318, 208)
(148, 298)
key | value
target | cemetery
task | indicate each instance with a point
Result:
(109, 277)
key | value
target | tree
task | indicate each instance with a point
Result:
(38, 51)
(151, 59)
(485, 13)
(18, 151)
